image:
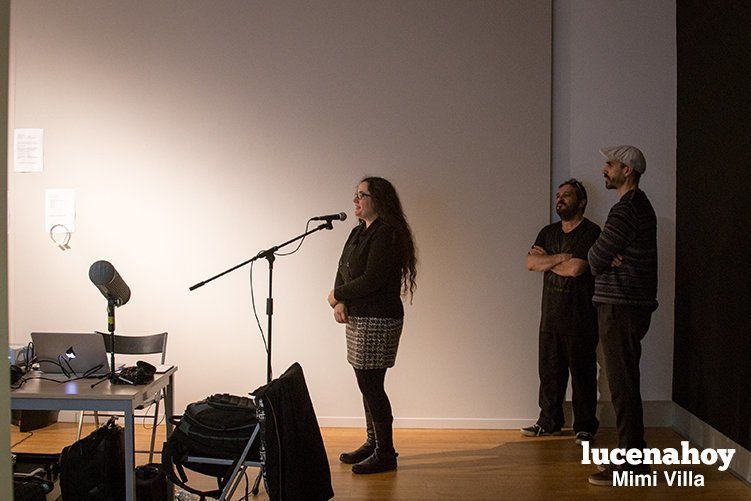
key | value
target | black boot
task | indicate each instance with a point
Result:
(384, 456)
(366, 449)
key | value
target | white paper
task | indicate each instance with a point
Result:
(28, 150)
(60, 209)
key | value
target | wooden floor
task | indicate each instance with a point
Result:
(468, 465)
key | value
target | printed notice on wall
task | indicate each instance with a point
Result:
(60, 210)
(28, 150)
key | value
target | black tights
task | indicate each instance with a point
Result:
(374, 395)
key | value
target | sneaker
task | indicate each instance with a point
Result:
(584, 436)
(604, 476)
(538, 431)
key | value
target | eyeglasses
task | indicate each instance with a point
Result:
(360, 195)
(580, 191)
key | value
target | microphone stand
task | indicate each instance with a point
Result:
(268, 254)
(112, 376)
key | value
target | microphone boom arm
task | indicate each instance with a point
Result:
(266, 254)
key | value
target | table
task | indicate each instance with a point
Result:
(40, 394)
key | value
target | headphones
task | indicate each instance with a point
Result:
(60, 234)
(16, 373)
(141, 373)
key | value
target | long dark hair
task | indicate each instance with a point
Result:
(389, 209)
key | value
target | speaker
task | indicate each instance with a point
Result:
(33, 420)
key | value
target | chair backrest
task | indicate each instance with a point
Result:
(137, 345)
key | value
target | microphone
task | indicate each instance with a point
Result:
(109, 282)
(331, 217)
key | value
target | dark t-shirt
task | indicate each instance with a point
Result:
(567, 301)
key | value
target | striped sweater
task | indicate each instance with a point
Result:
(630, 231)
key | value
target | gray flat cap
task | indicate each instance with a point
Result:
(627, 155)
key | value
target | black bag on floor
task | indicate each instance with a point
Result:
(151, 483)
(216, 427)
(93, 468)
(28, 490)
(34, 473)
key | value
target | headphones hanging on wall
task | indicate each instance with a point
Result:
(61, 238)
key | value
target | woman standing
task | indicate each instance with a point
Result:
(376, 267)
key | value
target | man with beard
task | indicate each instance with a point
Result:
(568, 325)
(624, 262)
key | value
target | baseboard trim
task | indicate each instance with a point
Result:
(428, 422)
(657, 413)
(703, 435)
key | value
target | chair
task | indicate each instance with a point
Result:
(293, 457)
(135, 345)
(238, 465)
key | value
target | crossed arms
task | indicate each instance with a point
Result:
(561, 264)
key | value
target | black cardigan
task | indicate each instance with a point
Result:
(369, 280)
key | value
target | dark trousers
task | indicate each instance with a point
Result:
(622, 328)
(561, 352)
(374, 395)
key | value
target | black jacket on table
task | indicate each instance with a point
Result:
(368, 280)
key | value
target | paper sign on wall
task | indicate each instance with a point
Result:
(28, 150)
(60, 210)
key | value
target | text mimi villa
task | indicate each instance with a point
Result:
(625, 476)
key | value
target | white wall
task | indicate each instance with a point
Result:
(614, 82)
(197, 133)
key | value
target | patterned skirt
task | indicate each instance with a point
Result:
(372, 342)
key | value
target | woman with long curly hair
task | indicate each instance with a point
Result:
(377, 266)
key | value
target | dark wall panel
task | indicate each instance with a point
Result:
(712, 366)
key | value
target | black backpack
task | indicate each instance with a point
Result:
(216, 427)
(93, 468)
(151, 483)
(28, 490)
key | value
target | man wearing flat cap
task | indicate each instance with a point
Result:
(624, 262)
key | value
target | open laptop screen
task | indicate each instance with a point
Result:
(80, 352)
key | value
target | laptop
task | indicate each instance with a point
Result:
(78, 353)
